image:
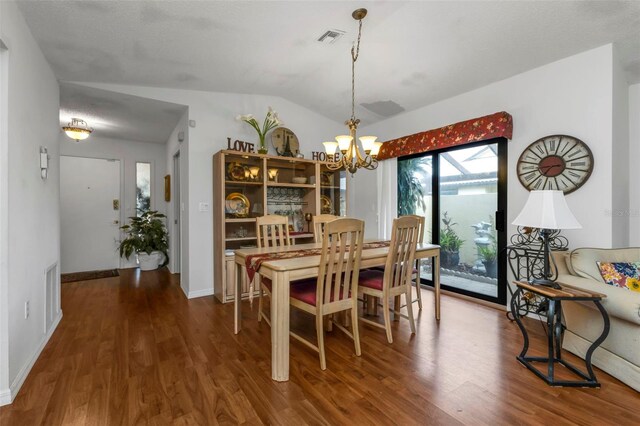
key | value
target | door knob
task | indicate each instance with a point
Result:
(116, 222)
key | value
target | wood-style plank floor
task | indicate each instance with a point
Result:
(134, 350)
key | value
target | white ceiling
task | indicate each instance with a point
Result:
(119, 116)
(412, 53)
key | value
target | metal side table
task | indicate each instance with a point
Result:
(554, 332)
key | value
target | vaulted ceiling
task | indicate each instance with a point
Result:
(412, 53)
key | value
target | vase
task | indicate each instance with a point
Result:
(262, 147)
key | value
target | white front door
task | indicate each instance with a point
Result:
(90, 214)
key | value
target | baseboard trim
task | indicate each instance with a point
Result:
(5, 397)
(26, 369)
(200, 293)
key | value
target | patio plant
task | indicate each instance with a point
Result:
(450, 243)
(410, 193)
(147, 237)
(489, 257)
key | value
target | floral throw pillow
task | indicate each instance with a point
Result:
(620, 274)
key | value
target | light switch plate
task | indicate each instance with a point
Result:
(204, 207)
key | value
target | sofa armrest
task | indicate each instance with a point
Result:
(619, 303)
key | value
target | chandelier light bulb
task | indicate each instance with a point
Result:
(376, 149)
(343, 142)
(367, 143)
(330, 147)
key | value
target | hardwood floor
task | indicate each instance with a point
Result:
(133, 350)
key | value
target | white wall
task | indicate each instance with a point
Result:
(33, 217)
(620, 213)
(128, 152)
(214, 114)
(634, 156)
(572, 96)
(174, 146)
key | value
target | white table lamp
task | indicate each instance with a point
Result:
(546, 210)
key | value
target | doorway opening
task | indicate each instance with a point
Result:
(176, 241)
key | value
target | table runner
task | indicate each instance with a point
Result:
(253, 262)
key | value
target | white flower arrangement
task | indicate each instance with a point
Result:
(271, 121)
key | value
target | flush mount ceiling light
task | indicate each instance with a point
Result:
(77, 129)
(351, 159)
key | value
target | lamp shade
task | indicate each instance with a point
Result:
(547, 209)
(77, 129)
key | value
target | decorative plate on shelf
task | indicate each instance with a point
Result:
(236, 171)
(325, 205)
(237, 205)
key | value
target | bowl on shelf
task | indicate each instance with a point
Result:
(300, 179)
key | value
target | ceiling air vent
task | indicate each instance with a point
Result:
(330, 36)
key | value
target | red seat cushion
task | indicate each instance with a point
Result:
(305, 291)
(414, 271)
(269, 284)
(371, 278)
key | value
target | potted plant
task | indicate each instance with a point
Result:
(147, 237)
(488, 256)
(450, 243)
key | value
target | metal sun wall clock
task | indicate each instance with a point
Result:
(558, 162)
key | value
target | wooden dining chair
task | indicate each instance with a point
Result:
(319, 221)
(396, 278)
(336, 288)
(416, 271)
(271, 231)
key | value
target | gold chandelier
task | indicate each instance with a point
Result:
(351, 159)
(77, 129)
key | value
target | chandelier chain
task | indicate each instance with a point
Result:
(355, 51)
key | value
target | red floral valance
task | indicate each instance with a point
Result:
(488, 127)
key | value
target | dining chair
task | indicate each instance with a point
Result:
(416, 270)
(271, 231)
(396, 278)
(336, 288)
(415, 273)
(319, 221)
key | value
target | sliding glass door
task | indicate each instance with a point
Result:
(462, 193)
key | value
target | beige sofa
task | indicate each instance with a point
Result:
(619, 354)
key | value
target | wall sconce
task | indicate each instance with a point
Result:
(44, 162)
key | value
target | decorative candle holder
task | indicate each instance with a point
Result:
(308, 217)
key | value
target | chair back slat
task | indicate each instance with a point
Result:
(319, 221)
(272, 231)
(402, 250)
(421, 220)
(340, 260)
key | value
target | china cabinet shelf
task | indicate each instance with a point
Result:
(240, 238)
(290, 185)
(243, 183)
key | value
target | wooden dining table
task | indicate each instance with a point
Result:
(283, 271)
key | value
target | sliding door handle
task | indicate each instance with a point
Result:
(500, 219)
